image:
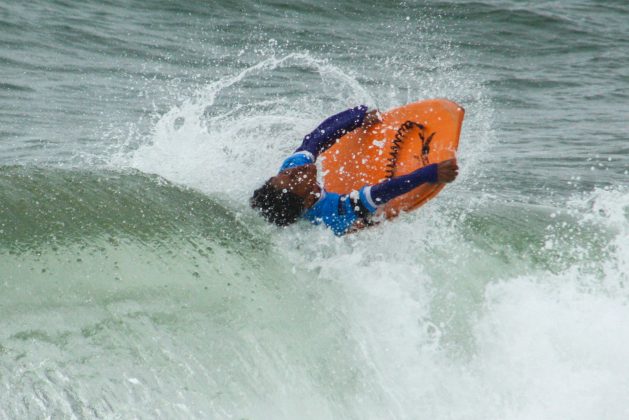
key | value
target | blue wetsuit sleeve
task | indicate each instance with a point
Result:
(297, 159)
(379, 194)
(330, 130)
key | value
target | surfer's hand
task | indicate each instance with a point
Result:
(372, 117)
(447, 171)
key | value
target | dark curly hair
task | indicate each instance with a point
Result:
(277, 206)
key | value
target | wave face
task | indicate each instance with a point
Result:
(135, 282)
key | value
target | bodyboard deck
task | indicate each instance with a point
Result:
(407, 138)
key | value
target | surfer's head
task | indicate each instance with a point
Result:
(283, 198)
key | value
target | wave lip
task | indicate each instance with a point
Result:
(44, 206)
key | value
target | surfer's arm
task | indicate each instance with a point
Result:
(349, 212)
(379, 194)
(383, 192)
(330, 130)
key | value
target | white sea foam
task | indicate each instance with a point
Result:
(447, 330)
(224, 153)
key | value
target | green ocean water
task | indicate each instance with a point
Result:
(136, 283)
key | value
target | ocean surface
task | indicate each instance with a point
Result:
(135, 282)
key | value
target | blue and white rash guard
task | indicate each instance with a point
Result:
(341, 211)
(337, 211)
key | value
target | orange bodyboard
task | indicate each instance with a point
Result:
(408, 138)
